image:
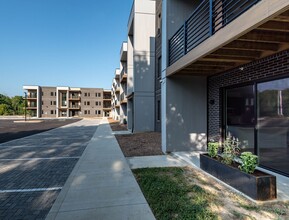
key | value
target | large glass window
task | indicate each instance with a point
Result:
(240, 115)
(273, 124)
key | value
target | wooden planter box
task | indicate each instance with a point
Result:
(259, 185)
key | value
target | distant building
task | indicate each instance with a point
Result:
(44, 101)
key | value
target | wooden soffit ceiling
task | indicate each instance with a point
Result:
(267, 39)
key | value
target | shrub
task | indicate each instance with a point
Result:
(249, 162)
(231, 149)
(213, 148)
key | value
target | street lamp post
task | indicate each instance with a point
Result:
(25, 93)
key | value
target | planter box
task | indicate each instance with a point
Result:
(259, 186)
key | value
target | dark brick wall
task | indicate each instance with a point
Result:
(268, 67)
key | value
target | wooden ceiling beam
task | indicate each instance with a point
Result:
(237, 52)
(247, 45)
(275, 26)
(227, 59)
(212, 63)
(266, 36)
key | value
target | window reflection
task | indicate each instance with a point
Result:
(240, 117)
(272, 133)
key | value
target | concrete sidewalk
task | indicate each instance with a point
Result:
(101, 186)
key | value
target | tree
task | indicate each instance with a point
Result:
(5, 110)
(17, 103)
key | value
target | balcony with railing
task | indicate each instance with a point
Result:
(32, 105)
(32, 95)
(223, 34)
(74, 96)
(123, 74)
(74, 105)
(123, 98)
(207, 19)
(106, 105)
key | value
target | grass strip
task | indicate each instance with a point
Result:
(170, 196)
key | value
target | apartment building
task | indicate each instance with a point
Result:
(115, 90)
(44, 101)
(225, 70)
(123, 83)
(141, 67)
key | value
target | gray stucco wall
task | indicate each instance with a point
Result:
(186, 113)
(144, 112)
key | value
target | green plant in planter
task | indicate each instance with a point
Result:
(213, 148)
(231, 149)
(249, 162)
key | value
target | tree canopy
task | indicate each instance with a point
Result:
(11, 106)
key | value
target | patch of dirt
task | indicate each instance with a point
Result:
(116, 126)
(229, 205)
(140, 144)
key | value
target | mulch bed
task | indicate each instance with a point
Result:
(140, 144)
(116, 126)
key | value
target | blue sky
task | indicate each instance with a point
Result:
(60, 42)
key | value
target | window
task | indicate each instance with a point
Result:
(240, 115)
(51, 102)
(96, 103)
(99, 112)
(88, 94)
(96, 94)
(51, 112)
(54, 102)
(84, 103)
(85, 112)
(272, 124)
(54, 93)
(85, 94)
(88, 111)
(99, 94)
(96, 112)
(88, 103)
(99, 103)
(42, 102)
(51, 93)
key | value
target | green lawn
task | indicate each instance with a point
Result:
(171, 197)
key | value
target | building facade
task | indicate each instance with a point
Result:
(225, 70)
(136, 75)
(43, 101)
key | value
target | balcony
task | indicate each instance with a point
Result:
(32, 96)
(123, 98)
(106, 105)
(123, 75)
(220, 35)
(74, 107)
(74, 97)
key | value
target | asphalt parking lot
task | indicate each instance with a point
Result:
(10, 130)
(34, 169)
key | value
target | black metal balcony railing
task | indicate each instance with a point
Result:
(209, 17)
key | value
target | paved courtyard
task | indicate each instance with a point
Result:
(34, 169)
